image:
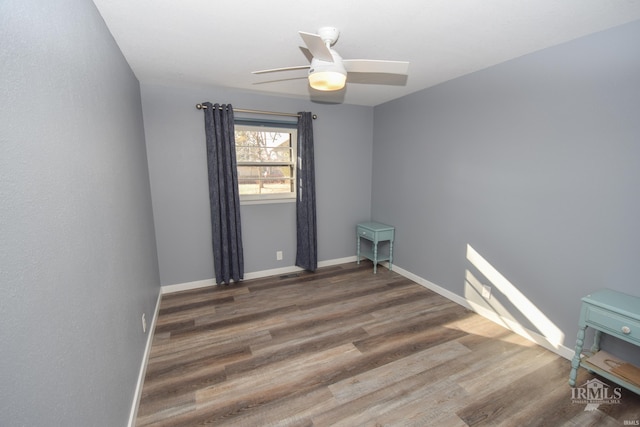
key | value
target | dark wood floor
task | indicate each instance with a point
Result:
(345, 347)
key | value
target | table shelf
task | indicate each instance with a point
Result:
(610, 376)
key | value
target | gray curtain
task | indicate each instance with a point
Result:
(306, 233)
(228, 261)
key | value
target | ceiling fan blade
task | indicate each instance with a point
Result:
(290, 79)
(307, 53)
(273, 70)
(375, 66)
(386, 79)
(317, 47)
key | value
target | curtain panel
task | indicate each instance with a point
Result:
(306, 230)
(224, 197)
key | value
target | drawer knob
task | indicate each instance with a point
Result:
(626, 330)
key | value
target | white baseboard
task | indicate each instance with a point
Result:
(167, 289)
(532, 336)
(143, 367)
(337, 261)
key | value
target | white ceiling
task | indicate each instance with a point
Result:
(219, 43)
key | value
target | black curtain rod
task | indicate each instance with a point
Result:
(271, 113)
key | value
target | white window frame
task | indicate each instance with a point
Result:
(274, 197)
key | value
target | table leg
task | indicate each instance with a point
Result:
(391, 255)
(596, 342)
(575, 363)
(375, 257)
(358, 250)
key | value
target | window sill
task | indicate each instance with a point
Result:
(266, 201)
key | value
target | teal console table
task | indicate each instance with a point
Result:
(612, 313)
(375, 232)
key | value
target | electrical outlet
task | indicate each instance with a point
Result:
(486, 291)
(144, 324)
(278, 255)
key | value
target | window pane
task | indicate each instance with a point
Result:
(266, 161)
(262, 146)
(265, 179)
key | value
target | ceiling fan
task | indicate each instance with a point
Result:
(328, 71)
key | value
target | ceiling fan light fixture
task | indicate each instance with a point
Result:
(327, 80)
(327, 76)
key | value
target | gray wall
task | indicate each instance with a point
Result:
(175, 138)
(534, 163)
(78, 264)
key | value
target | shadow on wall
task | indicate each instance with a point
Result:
(482, 300)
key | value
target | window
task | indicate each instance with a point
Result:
(266, 158)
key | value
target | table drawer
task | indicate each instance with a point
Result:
(376, 236)
(617, 324)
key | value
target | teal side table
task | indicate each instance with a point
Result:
(375, 232)
(612, 313)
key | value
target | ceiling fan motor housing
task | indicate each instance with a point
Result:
(329, 35)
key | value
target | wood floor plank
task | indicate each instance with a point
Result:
(255, 319)
(155, 412)
(178, 347)
(436, 406)
(246, 393)
(292, 411)
(307, 369)
(210, 296)
(498, 407)
(343, 346)
(383, 376)
(386, 402)
(291, 349)
(419, 335)
(510, 369)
